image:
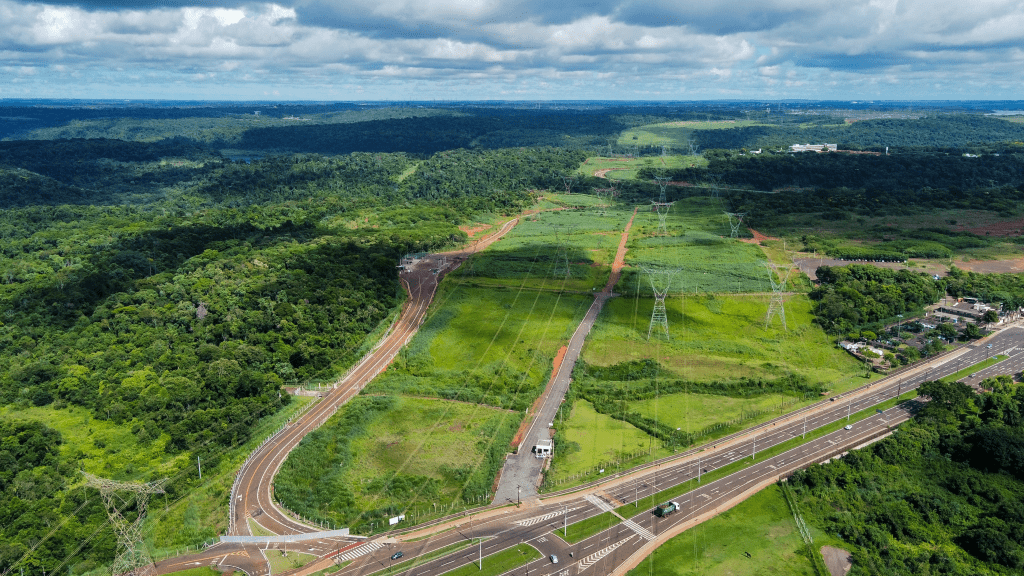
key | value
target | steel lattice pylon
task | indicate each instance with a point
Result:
(738, 217)
(132, 558)
(659, 316)
(662, 208)
(561, 267)
(568, 181)
(776, 306)
(663, 182)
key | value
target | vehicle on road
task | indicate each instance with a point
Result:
(397, 555)
(848, 427)
(554, 559)
(665, 509)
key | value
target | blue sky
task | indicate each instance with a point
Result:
(524, 49)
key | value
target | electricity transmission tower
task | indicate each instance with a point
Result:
(664, 149)
(736, 217)
(611, 142)
(662, 208)
(568, 181)
(132, 558)
(776, 306)
(561, 267)
(663, 183)
(659, 316)
(714, 182)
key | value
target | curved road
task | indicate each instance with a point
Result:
(252, 492)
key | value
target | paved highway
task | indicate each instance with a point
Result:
(252, 493)
(622, 546)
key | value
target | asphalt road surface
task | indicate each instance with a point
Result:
(633, 538)
(252, 493)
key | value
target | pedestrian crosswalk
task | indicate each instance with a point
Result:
(536, 519)
(640, 530)
(360, 551)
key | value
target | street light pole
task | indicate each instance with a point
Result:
(518, 492)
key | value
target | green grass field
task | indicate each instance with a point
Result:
(721, 337)
(761, 526)
(424, 438)
(499, 563)
(695, 412)
(626, 168)
(528, 254)
(601, 441)
(674, 134)
(495, 341)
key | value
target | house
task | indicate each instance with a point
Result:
(813, 147)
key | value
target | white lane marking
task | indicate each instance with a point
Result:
(536, 519)
(597, 556)
(357, 552)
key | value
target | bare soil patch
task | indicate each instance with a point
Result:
(473, 230)
(837, 560)
(603, 173)
(1003, 228)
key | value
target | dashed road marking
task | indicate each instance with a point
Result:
(597, 556)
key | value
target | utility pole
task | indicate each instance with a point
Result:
(753, 455)
(805, 427)
(849, 407)
(518, 492)
(200, 465)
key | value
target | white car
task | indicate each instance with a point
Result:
(848, 427)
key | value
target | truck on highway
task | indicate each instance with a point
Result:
(665, 509)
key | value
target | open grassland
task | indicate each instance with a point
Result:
(696, 412)
(674, 134)
(626, 168)
(589, 440)
(721, 337)
(761, 526)
(579, 198)
(530, 256)
(506, 336)
(697, 247)
(422, 438)
(382, 456)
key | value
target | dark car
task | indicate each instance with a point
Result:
(397, 555)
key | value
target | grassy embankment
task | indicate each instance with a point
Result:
(762, 526)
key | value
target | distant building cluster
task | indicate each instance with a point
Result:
(967, 308)
(813, 147)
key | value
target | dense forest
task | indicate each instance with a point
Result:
(181, 315)
(936, 130)
(943, 495)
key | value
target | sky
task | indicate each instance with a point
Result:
(512, 50)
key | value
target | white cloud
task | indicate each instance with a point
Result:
(658, 47)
